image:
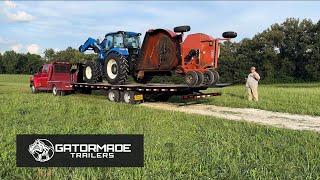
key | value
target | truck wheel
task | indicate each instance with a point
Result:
(116, 68)
(191, 78)
(200, 78)
(55, 91)
(208, 78)
(33, 89)
(128, 97)
(114, 95)
(91, 72)
(216, 76)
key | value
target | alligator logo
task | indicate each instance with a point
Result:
(42, 150)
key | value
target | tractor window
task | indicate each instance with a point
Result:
(118, 40)
(131, 41)
(109, 41)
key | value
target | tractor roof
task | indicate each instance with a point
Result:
(123, 32)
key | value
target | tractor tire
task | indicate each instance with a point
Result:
(200, 78)
(91, 72)
(191, 78)
(182, 29)
(209, 78)
(114, 95)
(116, 68)
(216, 76)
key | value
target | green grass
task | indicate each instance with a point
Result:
(177, 145)
(302, 98)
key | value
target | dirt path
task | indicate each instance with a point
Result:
(284, 120)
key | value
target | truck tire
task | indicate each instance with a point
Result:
(91, 73)
(191, 78)
(200, 78)
(114, 95)
(33, 89)
(55, 91)
(116, 68)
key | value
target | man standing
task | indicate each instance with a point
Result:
(252, 84)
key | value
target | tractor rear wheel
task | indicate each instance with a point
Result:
(191, 78)
(92, 72)
(116, 68)
(200, 78)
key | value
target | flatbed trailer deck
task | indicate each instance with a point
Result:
(137, 93)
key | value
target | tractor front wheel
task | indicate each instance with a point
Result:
(92, 72)
(116, 68)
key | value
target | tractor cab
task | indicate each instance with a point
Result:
(122, 39)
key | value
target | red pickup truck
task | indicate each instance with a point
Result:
(55, 77)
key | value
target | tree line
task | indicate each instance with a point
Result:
(286, 52)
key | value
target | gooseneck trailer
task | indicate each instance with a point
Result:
(63, 78)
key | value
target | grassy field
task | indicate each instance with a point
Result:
(177, 145)
(302, 98)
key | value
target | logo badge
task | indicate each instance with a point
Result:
(42, 150)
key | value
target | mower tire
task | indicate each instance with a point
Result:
(181, 29)
(191, 78)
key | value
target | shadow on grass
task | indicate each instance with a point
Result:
(179, 101)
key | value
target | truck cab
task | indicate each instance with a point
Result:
(55, 77)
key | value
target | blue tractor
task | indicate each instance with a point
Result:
(118, 54)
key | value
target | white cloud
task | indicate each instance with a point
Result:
(20, 16)
(10, 4)
(33, 48)
(17, 47)
(12, 13)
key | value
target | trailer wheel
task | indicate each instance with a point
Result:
(114, 95)
(92, 72)
(216, 76)
(191, 78)
(128, 97)
(200, 78)
(116, 68)
(209, 78)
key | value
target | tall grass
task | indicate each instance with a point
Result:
(177, 145)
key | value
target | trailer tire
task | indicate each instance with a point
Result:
(91, 72)
(191, 78)
(200, 78)
(114, 95)
(128, 97)
(116, 68)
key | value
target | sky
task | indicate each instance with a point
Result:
(33, 26)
